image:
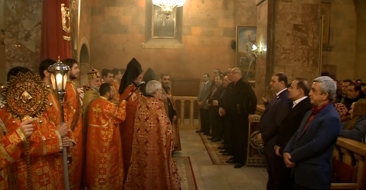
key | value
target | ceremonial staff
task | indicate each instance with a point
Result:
(25, 96)
(59, 74)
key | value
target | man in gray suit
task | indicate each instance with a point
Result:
(202, 97)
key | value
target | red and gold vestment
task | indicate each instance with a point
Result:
(73, 118)
(152, 165)
(127, 127)
(104, 161)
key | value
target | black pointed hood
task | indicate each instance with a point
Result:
(133, 70)
(148, 76)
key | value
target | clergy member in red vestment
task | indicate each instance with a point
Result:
(73, 119)
(45, 143)
(104, 161)
(152, 166)
(171, 110)
(129, 89)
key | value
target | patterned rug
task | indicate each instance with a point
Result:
(185, 171)
(216, 157)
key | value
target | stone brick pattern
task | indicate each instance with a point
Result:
(246, 13)
(343, 29)
(360, 62)
(296, 38)
(22, 33)
(118, 31)
(84, 38)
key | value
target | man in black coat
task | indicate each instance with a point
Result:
(271, 121)
(298, 92)
(240, 101)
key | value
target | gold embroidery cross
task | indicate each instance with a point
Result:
(96, 110)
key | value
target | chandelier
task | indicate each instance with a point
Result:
(167, 6)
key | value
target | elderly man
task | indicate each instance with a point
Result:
(309, 151)
(152, 165)
(91, 91)
(240, 101)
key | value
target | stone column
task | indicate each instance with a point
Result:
(360, 63)
(2, 45)
(290, 30)
(22, 33)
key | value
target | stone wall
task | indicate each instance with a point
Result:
(263, 26)
(83, 56)
(296, 38)
(22, 33)
(360, 62)
(118, 34)
(290, 30)
(343, 29)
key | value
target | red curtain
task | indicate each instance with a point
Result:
(53, 43)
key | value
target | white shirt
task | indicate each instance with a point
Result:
(298, 101)
(278, 93)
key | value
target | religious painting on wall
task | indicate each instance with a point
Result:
(163, 23)
(245, 59)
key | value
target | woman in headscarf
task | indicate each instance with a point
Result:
(129, 91)
(356, 127)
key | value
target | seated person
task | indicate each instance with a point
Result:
(342, 111)
(355, 128)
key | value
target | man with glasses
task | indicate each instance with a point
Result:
(240, 101)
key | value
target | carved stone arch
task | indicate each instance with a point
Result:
(84, 60)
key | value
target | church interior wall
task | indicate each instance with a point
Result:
(118, 33)
(341, 61)
(21, 36)
(360, 63)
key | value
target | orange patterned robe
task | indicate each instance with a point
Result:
(152, 166)
(127, 127)
(45, 147)
(104, 161)
(73, 118)
(115, 84)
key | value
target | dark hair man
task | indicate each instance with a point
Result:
(270, 123)
(298, 93)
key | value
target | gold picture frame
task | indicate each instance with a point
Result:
(163, 25)
(245, 59)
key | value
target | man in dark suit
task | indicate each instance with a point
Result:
(298, 91)
(271, 121)
(216, 121)
(309, 151)
(240, 101)
(202, 97)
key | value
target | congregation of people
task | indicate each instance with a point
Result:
(298, 129)
(120, 132)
